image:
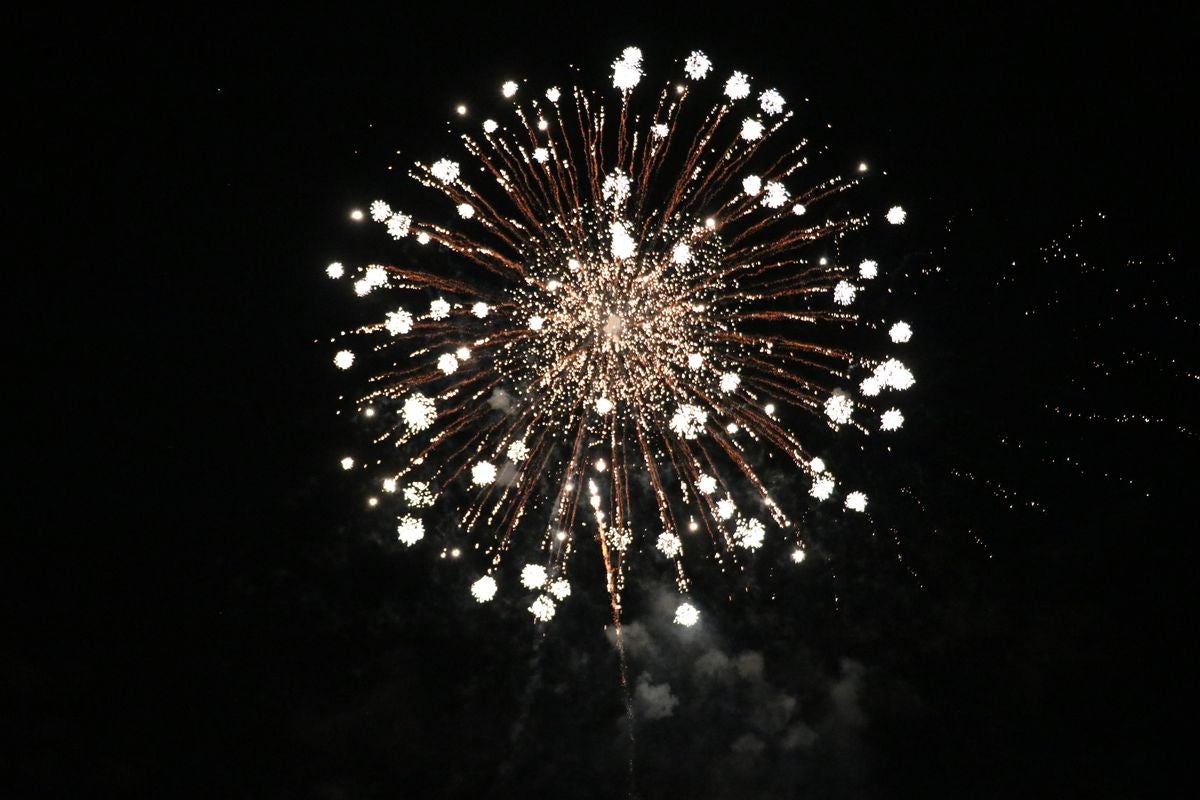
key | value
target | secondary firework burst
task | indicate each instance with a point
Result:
(630, 324)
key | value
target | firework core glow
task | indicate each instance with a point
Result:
(645, 300)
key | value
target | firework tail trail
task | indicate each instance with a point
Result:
(614, 595)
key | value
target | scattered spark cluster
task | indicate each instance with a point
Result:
(635, 304)
(1126, 371)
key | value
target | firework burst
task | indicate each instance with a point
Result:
(630, 325)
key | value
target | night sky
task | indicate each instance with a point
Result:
(201, 606)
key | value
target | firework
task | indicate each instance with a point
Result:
(633, 305)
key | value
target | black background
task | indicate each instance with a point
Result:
(199, 607)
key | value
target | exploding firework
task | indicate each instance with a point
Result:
(639, 310)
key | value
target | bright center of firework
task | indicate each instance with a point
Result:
(613, 327)
(621, 319)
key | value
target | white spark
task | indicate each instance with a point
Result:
(619, 538)
(542, 608)
(418, 412)
(439, 309)
(445, 170)
(553, 93)
(775, 195)
(838, 408)
(689, 421)
(375, 276)
(900, 332)
(868, 269)
(623, 245)
(423, 238)
(509, 88)
(343, 359)
(356, 215)
(389, 485)
(480, 310)
(726, 508)
(447, 363)
(896, 215)
(541, 155)
(843, 293)
(871, 386)
(561, 589)
(681, 254)
(465, 210)
(730, 381)
(707, 484)
(347, 463)
(822, 487)
(418, 495)
(738, 86)
(669, 545)
(798, 556)
(697, 65)
(535, 323)
(751, 129)
(817, 465)
(533, 576)
(335, 270)
(490, 126)
(771, 102)
(615, 188)
(462, 353)
(856, 501)
(398, 225)
(686, 615)
(517, 452)
(627, 70)
(752, 185)
(660, 130)
(695, 360)
(483, 473)
(749, 533)
(799, 209)
(410, 530)
(603, 406)
(399, 322)
(380, 211)
(894, 375)
(484, 589)
(891, 420)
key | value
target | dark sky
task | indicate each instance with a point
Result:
(201, 608)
